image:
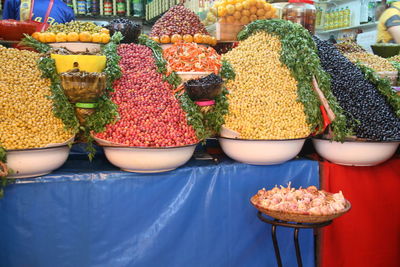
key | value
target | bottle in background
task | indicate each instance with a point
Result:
(95, 7)
(137, 8)
(364, 11)
(371, 10)
(88, 7)
(347, 16)
(121, 7)
(81, 4)
(108, 7)
(326, 20)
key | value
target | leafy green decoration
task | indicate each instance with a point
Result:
(299, 54)
(214, 119)
(194, 115)
(3, 179)
(383, 86)
(32, 42)
(396, 64)
(62, 108)
(227, 71)
(112, 69)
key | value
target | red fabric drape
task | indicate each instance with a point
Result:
(369, 234)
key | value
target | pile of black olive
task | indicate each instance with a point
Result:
(206, 88)
(128, 28)
(366, 108)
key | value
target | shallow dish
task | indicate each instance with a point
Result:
(78, 46)
(186, 76)
(146, 159)
(355, 153)
(297, 217)
(261, 152)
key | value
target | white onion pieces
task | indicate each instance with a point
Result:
(301, 201)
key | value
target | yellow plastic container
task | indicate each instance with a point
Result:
(83, 62)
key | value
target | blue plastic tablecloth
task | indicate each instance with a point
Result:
(92, 214)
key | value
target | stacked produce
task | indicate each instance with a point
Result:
(272, 96)
(26, 117)
(374, 62)
(262, 91)
(74, 31)
(180, 24)
(150, 115)
(128, 28)
(349, 47)
(301, 201)
(395, 58)
(190, 57)
(239, 11)
(370, 105)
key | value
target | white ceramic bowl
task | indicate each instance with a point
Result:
(78, 46)
(261, 152)
(148, 159)
(185, 76)
(27, 163)
(355, 153)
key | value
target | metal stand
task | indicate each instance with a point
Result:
(296, 227)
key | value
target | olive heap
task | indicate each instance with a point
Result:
(180, 23)
(263, 96)
(358, 97)
(26, 117)
(150, 115)
(128, 28)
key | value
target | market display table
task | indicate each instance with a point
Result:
(92, 214)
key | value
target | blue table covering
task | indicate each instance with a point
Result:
(92, 214)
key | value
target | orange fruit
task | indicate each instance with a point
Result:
(260, 12)
(42, 37)
(61, 37)
(252, 2)
(230, 19)
(246, 13)
(267, 7)
(188, 38)
(246, 5)
(206, 39)
(176, 38)
(155, 39)
(198, 38)
(50, 37)
(253, 17)
(96, 38)
(213, 41)
(85, 36)
(238, 7)
(222, 20)
(36, 35)
(245, 20)
(253, 10)
(104, 30)
(72, 37)
(237, 15)
(105, 38)
(222, 11)
(165, 39)
(260, 4)
(230, 9)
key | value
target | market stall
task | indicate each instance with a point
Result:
(148, 188)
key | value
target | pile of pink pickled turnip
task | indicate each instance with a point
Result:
(308, 201)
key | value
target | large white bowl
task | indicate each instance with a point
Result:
(34, 162)
(148, 159)
(355, 153)
(261, 152)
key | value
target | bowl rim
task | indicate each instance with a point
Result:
(35, 148)
(240, 139)
(147, 147)
(356, 141)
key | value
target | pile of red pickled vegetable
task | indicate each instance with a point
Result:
(150, 115)
(190, 57)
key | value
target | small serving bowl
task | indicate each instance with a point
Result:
(261, 152)
(203, 92)
(355, 153)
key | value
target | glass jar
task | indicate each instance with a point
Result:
(302, 12)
